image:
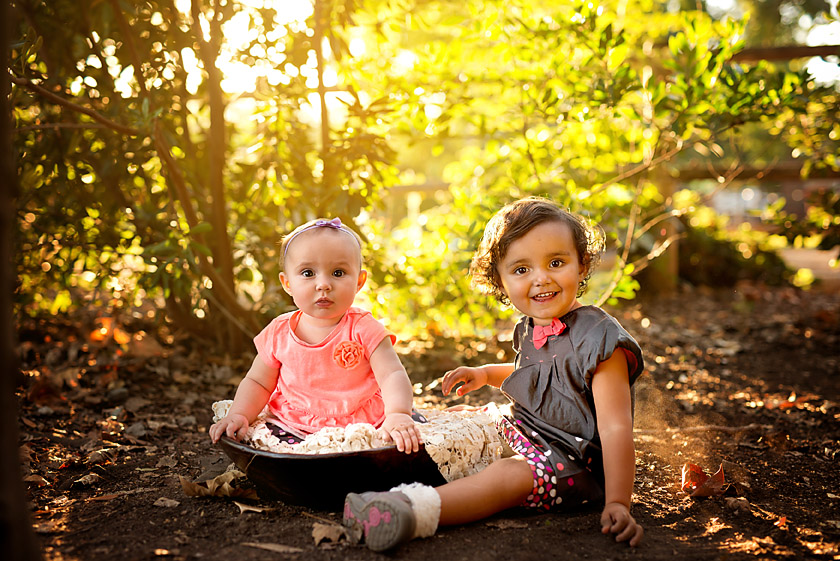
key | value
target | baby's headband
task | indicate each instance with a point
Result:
(335, 224)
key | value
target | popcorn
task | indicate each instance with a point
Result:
(460, 442)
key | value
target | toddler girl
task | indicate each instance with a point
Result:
(570, 422)
(328, 363)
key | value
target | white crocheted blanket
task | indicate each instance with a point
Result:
(460, 442)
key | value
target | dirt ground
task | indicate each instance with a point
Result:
(747, 378)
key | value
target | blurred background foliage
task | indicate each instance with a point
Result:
(164, 147)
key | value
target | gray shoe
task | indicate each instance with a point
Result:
(381, 520)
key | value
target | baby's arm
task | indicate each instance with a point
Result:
(611, 391)
(397, 394)
(475, 377)
(251, 396)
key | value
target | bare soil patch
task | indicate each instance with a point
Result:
(748, 377)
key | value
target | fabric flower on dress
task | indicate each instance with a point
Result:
(348, 354)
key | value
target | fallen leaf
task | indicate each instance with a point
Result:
(37, 480)
(275, 547)
(217, 487)
(108, 497)
(25, 454)
(738, 503)
(327, 532)
(168, 461)
(696, 483)
(166, 502)
(692, 477)
(87, 480)
(781, 522)
(99, 456)
(243, 508)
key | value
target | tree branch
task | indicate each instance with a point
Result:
(129, 41)
(58, 100)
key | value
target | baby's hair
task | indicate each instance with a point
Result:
(515, 220)
(333, 224)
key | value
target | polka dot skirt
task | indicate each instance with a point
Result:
(550, 483)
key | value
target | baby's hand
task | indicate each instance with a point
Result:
(616, 519)
(234, 425)
(400, 429)
(472, 377)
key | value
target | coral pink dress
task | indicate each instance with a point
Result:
(328, 384)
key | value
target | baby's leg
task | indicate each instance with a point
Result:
(503, 484)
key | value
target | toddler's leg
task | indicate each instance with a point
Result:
(501, 485)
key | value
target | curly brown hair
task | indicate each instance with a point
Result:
(515, 220)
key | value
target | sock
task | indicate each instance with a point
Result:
(425, 502)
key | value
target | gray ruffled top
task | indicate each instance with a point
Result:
(551, 387)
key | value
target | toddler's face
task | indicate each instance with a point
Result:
(323, 273)
(541, 272)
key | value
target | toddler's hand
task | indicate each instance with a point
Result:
(235, 426)
(472, 377)
(616, 519)
(400, 429)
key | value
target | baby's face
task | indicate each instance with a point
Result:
(323, 273)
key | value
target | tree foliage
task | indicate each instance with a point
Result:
(146, 173)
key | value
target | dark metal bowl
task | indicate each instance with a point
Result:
(323, 480)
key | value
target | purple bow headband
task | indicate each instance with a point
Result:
(335, 224)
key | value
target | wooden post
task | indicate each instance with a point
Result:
(664, 271)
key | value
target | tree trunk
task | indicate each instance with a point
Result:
(216, 149)
(17, 540)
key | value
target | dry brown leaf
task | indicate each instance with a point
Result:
(327, 532)
(25, 454)
(166, 502)
(36, 479)
(738, 503)
(275, 547)
(99, 456)
(217, 487)
(87, 480)
(108, 497)
(168, 461)
(243, 508)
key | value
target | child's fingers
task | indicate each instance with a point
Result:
(452, 379)
(637, 538)
(412, 438)
(398, 439)
(632, 534)
(469, 385)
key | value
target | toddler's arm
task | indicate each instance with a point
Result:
(251, 396)
(475, 377)
(397, 394)
(611, 392)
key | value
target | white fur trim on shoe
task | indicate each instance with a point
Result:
(425, 502)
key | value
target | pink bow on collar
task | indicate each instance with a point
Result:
(543, 332)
